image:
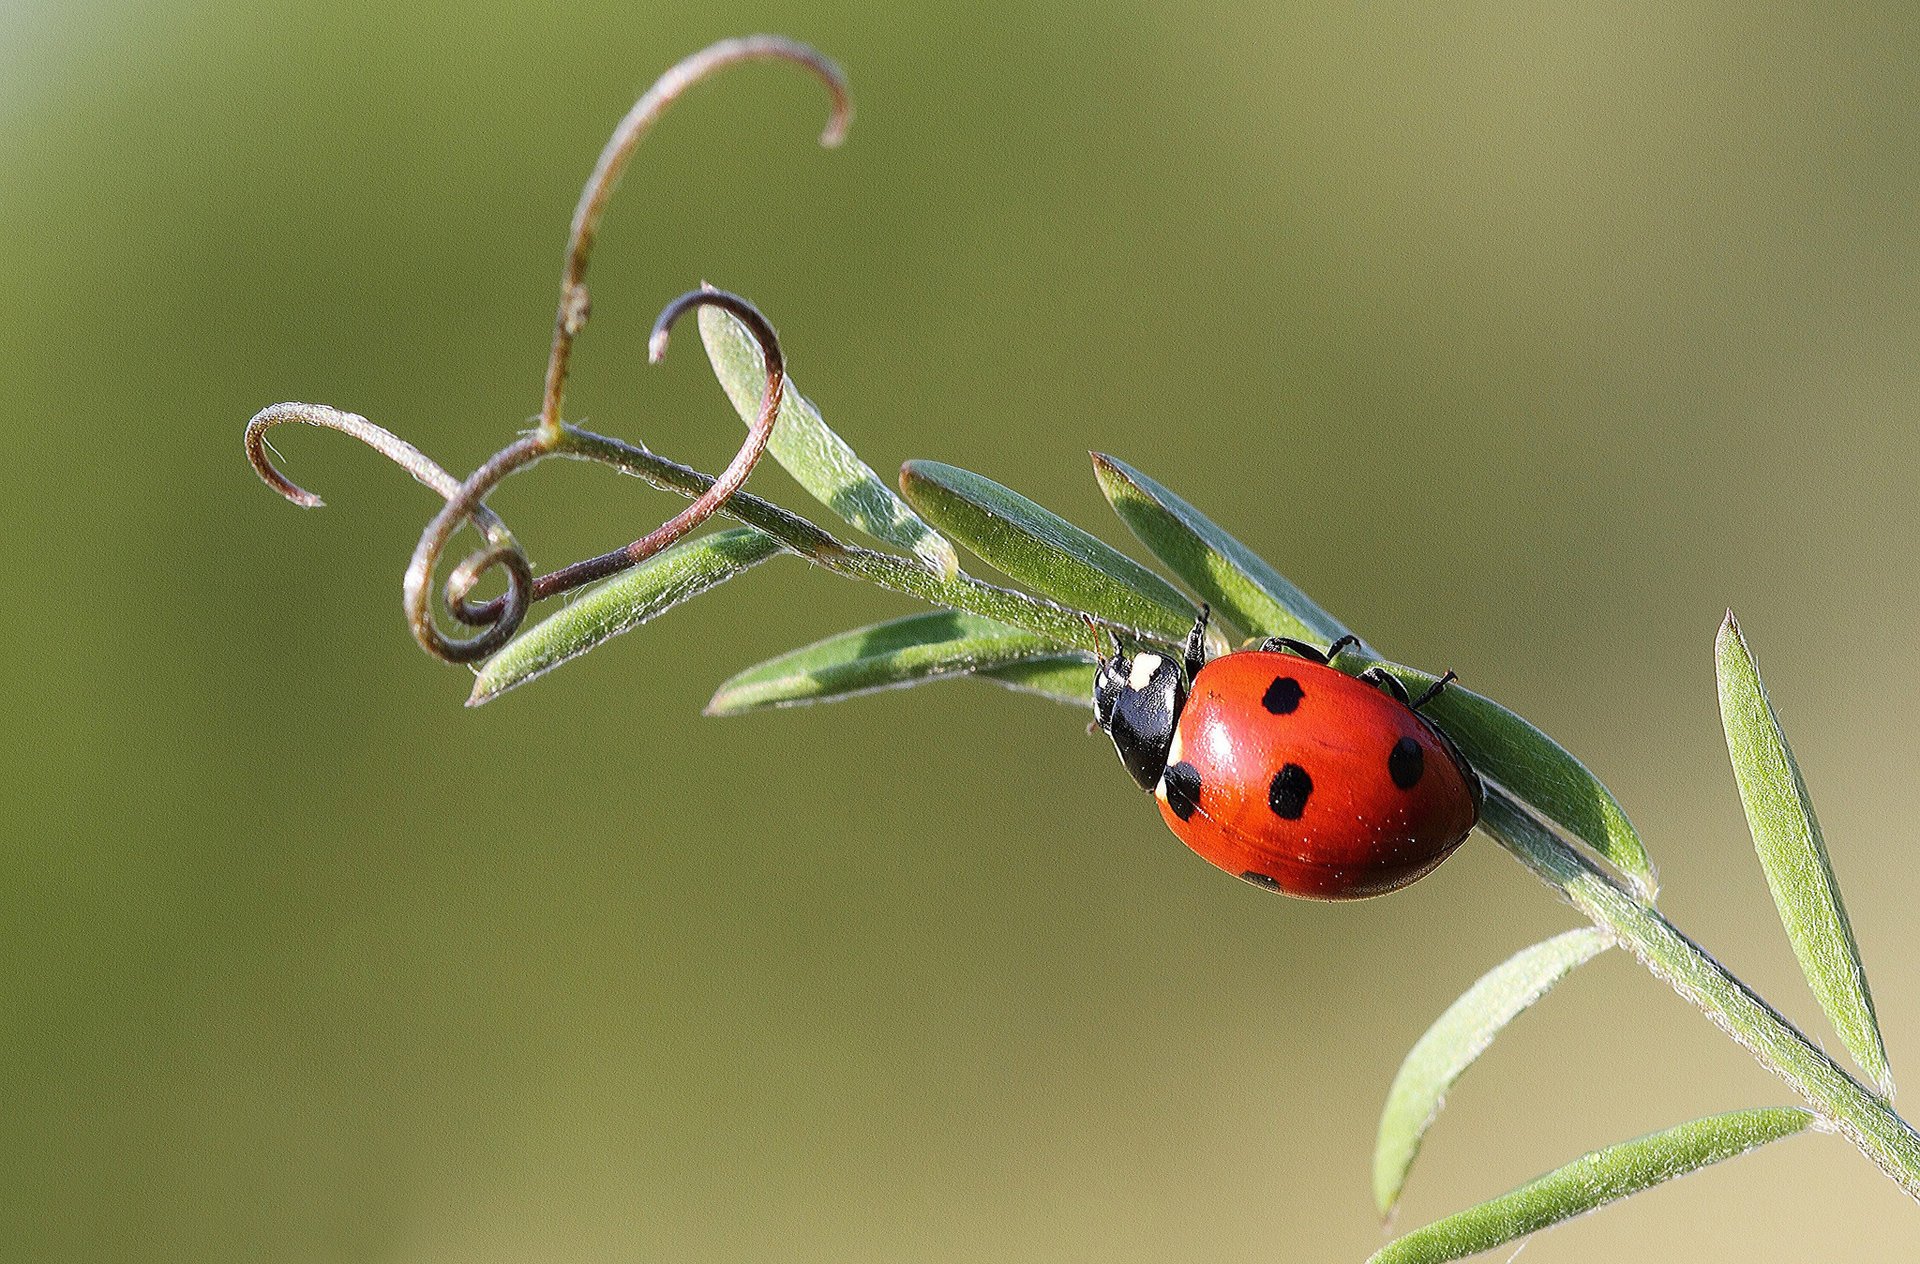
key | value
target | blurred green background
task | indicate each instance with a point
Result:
(1526, 343)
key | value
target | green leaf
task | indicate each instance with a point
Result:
(1045, 552)
(1794, 854)
(1064, 678)
(909, 651)
(1593, 1181)
(1236, 581)
(1456, 1039)
(1508, 749)
(626, 601)
(819, 460)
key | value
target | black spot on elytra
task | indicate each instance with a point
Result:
(1261, 880)
(1287, 796)
(1406, 764)
(1283, 695)
(1183, 789)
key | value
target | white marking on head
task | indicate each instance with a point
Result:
(1160, 788)
(1144, 665)
(1173, 750)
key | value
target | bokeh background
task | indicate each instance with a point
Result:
(1526, 342)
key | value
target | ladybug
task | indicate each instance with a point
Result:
(1287, 772)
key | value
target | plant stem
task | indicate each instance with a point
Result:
(1050, 619)
(1863, 1116)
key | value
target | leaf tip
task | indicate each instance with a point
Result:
(942, 563)
(1112, 475)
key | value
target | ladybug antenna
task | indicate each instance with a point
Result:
(1094, 626)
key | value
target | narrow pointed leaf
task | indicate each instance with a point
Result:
(1238, 582)
(1794, 854)
(624, 602)
(1064, 678)
(819, 460)
(1538, 770)
(1456, 1040)
(1594, 1180)
(909, 651)
(1038, 548)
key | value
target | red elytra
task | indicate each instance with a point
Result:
(1299, 777)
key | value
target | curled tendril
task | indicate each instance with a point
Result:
(575, 305)
(502, 549)
(502, 616)
(501, 620)
(379, 438)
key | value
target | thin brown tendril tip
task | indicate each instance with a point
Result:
(574, 306)
(379, 438)
(758, 433)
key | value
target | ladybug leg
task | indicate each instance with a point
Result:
(1378, 676)
(1433, 690)
(1275, 644)
(1197, 642)
(1312, 653)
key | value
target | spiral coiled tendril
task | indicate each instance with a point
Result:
(500, 617)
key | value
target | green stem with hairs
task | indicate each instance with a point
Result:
(1063, 624)
(1857, 1112)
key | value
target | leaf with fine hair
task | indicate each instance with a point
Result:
(1456, 1039)
(620, 604)
(1509, 749)
(1594, 1180)
(819, 460)
(1040, 549)
(900, 652)
(1238, 582)
(1787, 836)
(1064, 678)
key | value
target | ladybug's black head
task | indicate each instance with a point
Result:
(1137, 700)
